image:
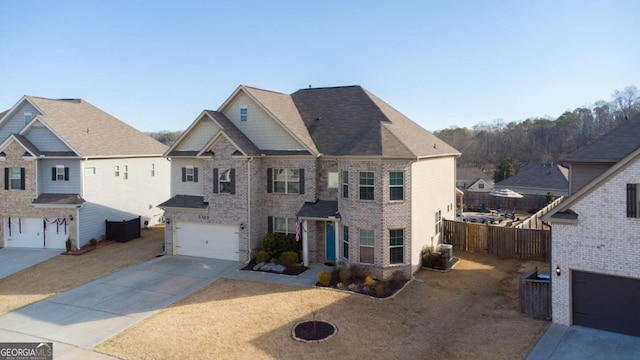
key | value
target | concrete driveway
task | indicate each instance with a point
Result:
(577, 342)
(13, 260)
(83, 317)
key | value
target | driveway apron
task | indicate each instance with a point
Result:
(83, 317)
(13, 260)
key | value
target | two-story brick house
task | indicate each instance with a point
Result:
(368, 185)
(67, 167)
(594, 248)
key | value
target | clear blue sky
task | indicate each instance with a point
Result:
(157, 64)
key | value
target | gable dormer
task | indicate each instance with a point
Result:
(258, 121)
(18, 117)
(45, 139)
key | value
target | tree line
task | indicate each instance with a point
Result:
(166, 137)
(499, 144)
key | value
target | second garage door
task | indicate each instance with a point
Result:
(207, 240)
(606, 302)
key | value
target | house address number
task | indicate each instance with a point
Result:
(204, 217)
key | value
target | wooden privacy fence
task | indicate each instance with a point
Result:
(526, 244)
(535, 221)
(535, 295)
(123, 231)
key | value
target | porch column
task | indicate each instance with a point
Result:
(305, 244)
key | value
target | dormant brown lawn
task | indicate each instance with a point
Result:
(470, 312)
(64, 272)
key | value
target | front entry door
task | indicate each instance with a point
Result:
(330, 242)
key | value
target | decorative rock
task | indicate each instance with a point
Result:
(279, 268)
(258, 266)
(267, 267)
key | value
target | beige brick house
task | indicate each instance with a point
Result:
(367, 185)
(595, 236)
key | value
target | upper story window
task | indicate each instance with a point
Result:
(285, 180)
(90, 170)
(116, 170)
(345, 184)
(60, 173)
(244, 113)
(224, 181)
(396, 185)
(332, 180)
(125, 173)
(366, 185)
(480, 186)
(438, 219)
(27, 117)
(190, 174)
(153, 170)
(14, 179)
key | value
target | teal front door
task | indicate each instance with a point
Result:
(330, 243)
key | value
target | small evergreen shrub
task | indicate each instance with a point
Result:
(324, 277)
(369, 281)
(93, 242)
(275, 244)
(289, 259)
(68, 244)
(380, 289)
(344, 275)
(273, 260)
(262, 256)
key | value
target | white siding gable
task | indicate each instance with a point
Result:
(199, 135)
(44, 139)
(15, 123)
(260, 127)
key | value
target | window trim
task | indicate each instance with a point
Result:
(438, 222)
(116, 170)
(288, 223)
(244, 113)
(372, 246)
(153, 169)
(337, 180)
(92, 168)
(286, 180)
(28, 114)
(20, 180)
(59, 172)
(391, 262)
(392, 186)
(193, 173)
(227, 181)
(125, 172)
(362, 186)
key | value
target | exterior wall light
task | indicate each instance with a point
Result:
(241, 226)
(558, 270)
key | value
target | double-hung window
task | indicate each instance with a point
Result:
(396, 246)
(438, 219)
(224, 181)
(366, 185)
(244, 114)
(286, 181)
(14, 179)
(59, 173)
(345, 241)
(345, 184)
(367, 242)
(27, 117)
(284, 225)
(125, 173)
(396, 185)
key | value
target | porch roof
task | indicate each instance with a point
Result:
(61, 200)
(185, 201)
(319, 209)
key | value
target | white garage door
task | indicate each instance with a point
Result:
(207, 240)
(31, 233)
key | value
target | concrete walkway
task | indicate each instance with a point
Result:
(81, 318)
(577, 342)
(13, 260)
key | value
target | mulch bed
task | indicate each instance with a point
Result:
(390, 287)
(86, 248)
(313, 330)
(290, 271)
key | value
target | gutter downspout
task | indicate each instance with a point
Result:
(551, 271)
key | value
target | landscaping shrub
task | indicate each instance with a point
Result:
(380, 289)
(275, 244)
(68, 244)
(324, 277)
(273, 260)
(289, 259)
(93, 242)
(360, 272)
(344, 275)
(369, 281)
(262, 256)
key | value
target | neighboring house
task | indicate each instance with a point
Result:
(68, 166)
(473, 180)
(595, 238)
(368, 184)
(538, 179)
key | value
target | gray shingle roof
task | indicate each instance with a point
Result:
(610, 147)
(27, 144)
(185, 201)
(93, 132)
(351, 121)
(59, 199)
(539, 176)
(322, 209)
(471, 174)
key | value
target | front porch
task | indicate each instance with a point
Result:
(318, 227)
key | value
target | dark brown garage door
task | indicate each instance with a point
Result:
(605, 302)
